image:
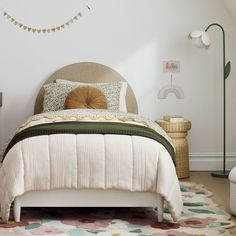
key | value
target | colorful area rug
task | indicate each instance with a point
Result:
(200, 217)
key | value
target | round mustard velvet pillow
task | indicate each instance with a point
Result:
(86, 97)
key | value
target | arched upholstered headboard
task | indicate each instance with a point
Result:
(88, 72)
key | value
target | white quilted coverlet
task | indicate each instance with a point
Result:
(89, 161)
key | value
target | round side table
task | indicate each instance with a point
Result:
(178, 132)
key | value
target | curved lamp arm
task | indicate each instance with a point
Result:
(226, 67)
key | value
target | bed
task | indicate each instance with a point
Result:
(90, 168)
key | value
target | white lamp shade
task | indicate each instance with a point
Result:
(200, 39)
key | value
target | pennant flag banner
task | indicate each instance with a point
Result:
(46, 30)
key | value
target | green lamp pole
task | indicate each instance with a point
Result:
(202, 40)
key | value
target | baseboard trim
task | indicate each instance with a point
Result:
(211, 161)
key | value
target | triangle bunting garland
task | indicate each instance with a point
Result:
(39, 30)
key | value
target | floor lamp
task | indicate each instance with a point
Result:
(201, 39)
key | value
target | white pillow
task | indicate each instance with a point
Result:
(115, 92)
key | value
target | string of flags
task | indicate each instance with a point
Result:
(43, 30)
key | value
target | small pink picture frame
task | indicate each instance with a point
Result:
(171, 66)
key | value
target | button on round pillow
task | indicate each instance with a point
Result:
(86, 97)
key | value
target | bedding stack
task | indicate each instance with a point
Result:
(89, 148)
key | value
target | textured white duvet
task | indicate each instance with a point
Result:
(89, 161)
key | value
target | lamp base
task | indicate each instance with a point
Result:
(220, 174)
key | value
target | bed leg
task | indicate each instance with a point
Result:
(160, 208)
(17, 209)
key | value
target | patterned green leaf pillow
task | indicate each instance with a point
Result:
(55, 94)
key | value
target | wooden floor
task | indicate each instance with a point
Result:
(219, 186)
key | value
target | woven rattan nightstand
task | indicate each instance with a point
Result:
(178, 132)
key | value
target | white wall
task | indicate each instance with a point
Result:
(231, 7)
(133, 37)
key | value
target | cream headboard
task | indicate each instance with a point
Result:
(89, 72)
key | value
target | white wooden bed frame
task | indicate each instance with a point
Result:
(90, 73)
(88, 198)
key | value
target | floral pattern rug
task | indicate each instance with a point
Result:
(200, 217)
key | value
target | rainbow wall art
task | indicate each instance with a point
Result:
(168, 89)
(171, 67)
